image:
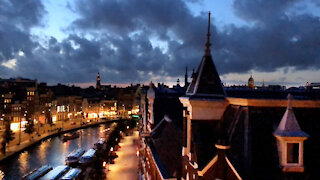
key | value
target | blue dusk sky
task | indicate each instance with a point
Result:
(136, 41)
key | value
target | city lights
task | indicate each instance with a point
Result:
(14, 126)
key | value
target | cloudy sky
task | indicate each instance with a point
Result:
(132, 41)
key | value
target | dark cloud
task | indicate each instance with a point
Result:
(16, 19)
(261, 10)
(275, 40)
(123, 40)
(278, 41)
(169, 21)
(23, 14)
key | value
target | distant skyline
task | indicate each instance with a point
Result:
(136, 41)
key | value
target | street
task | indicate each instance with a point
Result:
(126, 165)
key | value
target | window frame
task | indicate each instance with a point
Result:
(285, 153)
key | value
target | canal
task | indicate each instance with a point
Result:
(51, 151)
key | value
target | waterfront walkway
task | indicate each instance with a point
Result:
(126, 165)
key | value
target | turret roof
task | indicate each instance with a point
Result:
(206, 81)
(289, 125)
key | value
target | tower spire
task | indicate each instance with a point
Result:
(208, 44)
(186, 83)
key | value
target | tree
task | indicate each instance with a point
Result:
(29, 128)
(7, 136)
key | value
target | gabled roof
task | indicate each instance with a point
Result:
(167, 143)
(220, 167)
(206, 81)
(289, 125)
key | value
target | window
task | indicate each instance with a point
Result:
(293, 153)
(7, 101)
(31, 93)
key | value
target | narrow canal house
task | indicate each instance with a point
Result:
(230, 134)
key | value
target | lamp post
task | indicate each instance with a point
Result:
(25, 115)
(39, 123)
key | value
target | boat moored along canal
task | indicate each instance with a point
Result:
(87, 157)
(72, 174)
(69, 136)
(37, 173)
(55, 173)
(74, 156)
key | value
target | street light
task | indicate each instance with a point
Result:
(20, 128)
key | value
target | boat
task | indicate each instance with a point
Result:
(72, 174)
(87, 157)
(37, 173)
(99, 144)
(69, 136)
(74, 156)
(55, 173)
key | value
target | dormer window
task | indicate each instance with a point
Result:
(290, 141)
(293, 153)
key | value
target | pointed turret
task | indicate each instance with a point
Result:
(206, 81)
(289, 125)
(290, 140)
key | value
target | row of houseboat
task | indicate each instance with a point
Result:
(79, 159)
(46, 172)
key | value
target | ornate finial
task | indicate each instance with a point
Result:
(290, 97)
(207, 51)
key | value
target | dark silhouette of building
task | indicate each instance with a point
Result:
(241, 134)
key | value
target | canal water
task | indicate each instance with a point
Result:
(51, 151)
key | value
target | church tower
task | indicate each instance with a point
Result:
(98, 86)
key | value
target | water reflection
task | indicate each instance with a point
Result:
(23, 160)
(1, 175)
(52, 151)
(43, 151)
